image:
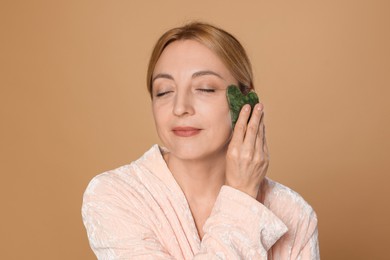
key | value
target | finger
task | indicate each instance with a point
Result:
(259, 151)
(241, 124)
(261, 132)
(264, 141)
(265, 149)
(253, 127)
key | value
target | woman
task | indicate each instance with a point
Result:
(204, 194)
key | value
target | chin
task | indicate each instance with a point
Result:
(197, 151)
(187, 151)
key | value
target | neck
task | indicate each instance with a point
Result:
(199, 179)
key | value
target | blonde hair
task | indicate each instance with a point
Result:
(222, 43)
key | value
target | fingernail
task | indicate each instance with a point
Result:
(246, 108)
(259, 106)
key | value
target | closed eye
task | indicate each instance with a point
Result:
(162, 93)
(206, 90)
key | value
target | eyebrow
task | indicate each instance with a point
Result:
(195, 75)
(163, 76)
(205, 73)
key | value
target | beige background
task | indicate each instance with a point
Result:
(74, 104)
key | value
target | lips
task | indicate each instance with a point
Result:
(185, 131)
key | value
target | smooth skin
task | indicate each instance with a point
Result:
(189, 89)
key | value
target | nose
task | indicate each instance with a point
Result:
(183, 104)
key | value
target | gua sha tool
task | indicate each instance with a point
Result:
(237, 100)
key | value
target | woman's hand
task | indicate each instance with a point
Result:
(247, 156)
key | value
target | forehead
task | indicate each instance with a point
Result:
(187, 54)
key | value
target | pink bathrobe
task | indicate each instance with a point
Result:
(138, 211)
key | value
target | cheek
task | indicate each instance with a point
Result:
(158, 116)
(218, 114)
(154, 112)
(225, 116)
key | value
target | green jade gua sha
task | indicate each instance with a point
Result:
(237, 100)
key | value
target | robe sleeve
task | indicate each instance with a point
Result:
(301, 242)
(239, 227)
(311, 249)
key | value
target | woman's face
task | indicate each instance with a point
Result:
(190, 108)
